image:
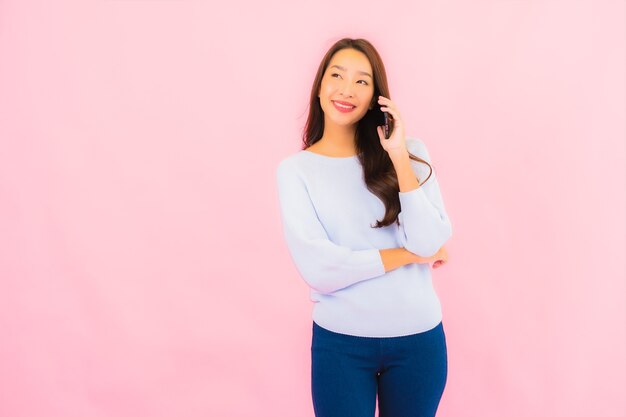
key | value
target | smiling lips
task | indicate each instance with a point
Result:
(343, 106)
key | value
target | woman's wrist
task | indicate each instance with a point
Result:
(416, 259)
(399, 155)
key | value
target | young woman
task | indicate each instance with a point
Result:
(364, 222)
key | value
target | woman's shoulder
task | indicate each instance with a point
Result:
(289, 164)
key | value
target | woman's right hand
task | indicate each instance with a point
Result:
(440, 258)
(396, 257)
(435, 261)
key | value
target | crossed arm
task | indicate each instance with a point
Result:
(396, 257)
(328, 267)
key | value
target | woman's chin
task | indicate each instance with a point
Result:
(345, 121)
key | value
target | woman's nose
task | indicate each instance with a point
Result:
(346, 90)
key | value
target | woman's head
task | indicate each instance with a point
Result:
(351, 74)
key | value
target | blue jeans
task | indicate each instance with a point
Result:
(407, 372)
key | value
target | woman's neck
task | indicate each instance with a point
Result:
(338, 140)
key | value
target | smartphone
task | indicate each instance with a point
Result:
(383, 119)
(386, 127)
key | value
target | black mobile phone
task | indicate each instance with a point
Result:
(384, 121)
(386, 127)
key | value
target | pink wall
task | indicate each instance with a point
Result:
(142, 266)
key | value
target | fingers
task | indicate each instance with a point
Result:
(388, 106)
(381, 134)
(441, 258)
(438, 263)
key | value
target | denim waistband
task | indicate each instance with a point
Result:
(321, 332)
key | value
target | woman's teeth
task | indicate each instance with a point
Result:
(344, 108)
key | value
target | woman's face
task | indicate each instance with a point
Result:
(347, 88)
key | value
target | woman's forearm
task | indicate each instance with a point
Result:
(407, 181)
(396, 257)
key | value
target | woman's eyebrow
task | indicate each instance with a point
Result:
(360, 72)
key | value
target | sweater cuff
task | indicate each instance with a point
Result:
(417, 193)
(371, 260)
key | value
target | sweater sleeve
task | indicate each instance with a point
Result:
(325, 266)
(424, 224)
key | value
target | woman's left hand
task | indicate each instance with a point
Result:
(396, 143)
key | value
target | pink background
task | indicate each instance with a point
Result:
(142, 263)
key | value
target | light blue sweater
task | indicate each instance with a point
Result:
(326, 212)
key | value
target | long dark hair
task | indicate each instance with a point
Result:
(378, 171)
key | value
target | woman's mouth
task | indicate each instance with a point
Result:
(343, 107)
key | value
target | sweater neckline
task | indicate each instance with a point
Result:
(333, 159)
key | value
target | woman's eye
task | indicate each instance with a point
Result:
(335, 75)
